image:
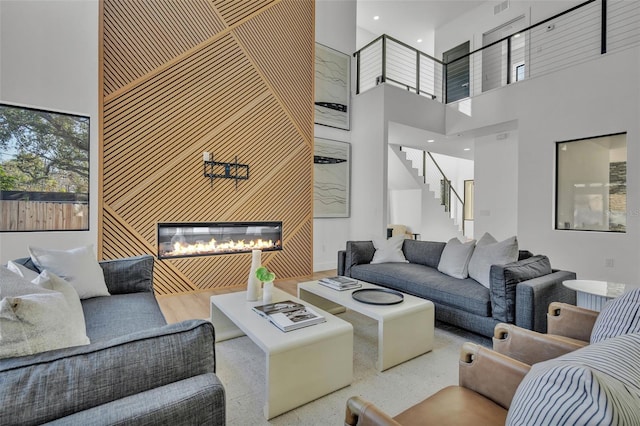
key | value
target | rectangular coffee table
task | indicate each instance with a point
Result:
(301, 365)
(405, 330)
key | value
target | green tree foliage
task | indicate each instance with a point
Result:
(7, 182)
(50, 151)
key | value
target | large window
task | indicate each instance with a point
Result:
(591, 184)
(44, 170)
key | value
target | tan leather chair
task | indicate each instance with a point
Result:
(568, 329)
(487, 383)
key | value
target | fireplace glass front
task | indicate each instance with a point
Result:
(205, 239)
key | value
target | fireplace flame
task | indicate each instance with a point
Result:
(202, 247)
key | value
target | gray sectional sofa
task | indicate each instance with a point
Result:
(137, 369)
(519, 293)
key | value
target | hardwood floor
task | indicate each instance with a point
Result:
(195, 305)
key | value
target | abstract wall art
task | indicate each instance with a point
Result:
(332, 83)
(331, 165)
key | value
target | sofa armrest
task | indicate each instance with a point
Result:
(490, 374)
(570, 321)
(342, 259)
(50, 385)
(128, 275)
(530, 346)
(358, 253)
(363, 413)
(534, 296)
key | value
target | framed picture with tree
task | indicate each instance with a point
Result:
(44, 170)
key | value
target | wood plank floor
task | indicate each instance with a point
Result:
(195, 305)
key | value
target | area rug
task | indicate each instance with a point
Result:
(241, 368)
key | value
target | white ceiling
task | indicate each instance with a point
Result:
(409, 20)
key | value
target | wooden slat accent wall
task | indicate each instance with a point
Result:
(229, 77)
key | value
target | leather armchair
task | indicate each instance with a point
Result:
(487, 382)
(568, 329)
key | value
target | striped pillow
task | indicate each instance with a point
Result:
(596, 385)
(619, 316)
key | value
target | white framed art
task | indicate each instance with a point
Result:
(332, 88)
(331, 178)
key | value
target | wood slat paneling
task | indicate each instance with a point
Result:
(232, 78)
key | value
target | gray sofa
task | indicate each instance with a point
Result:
(519, 292)
(137, 370)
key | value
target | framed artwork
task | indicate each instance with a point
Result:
(44, 170)
(331, 173)
(332, 87)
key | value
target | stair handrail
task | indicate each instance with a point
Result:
(424, 171)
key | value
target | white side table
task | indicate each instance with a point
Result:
(593, 294)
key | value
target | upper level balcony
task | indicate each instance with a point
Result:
(577, 35)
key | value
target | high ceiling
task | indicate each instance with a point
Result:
(410, 20)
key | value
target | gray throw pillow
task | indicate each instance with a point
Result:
(455, 258)
(490, 252)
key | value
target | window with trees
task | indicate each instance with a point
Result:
(44, 170)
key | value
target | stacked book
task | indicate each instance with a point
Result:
(340, 283)
(289, 315)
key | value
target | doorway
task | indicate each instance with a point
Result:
(495, 58)
(457, 73)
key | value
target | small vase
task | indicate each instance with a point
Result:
(267, 292)
(253, 283)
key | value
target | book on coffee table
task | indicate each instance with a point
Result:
(340, 283)
(289, 315)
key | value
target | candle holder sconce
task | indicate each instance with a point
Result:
(220, 170)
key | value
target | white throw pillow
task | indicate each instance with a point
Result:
(490, 252)
(22, 271)
(78, 266)
(34, 319)
(389, 250)
(455, 258)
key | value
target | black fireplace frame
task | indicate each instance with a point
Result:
(159, 225)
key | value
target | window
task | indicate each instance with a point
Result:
(44, 170)
(591, 184)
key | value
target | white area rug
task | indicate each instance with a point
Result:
(241, 368)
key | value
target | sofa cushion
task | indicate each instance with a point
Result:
(128, 275)
(619, 316)
(34, 319)
(358, 252)
(78, 266)
(428, 283)
(121, 314)
(489, 252)
(504, 280)
(426, 253)
(455, 258)
(388, 250)
(598, 384)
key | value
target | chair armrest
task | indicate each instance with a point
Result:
(342, 259)
(570, 321)
(534, 296)
(490, 374)
(128, 275)
(363, 413)
(529, 346)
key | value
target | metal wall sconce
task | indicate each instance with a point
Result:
(219, 170)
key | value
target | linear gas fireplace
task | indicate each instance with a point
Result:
(205, 239)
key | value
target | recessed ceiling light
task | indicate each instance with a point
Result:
(467, 149)
(419, 40)
(517, 35)
(375, 18)
(431, 140)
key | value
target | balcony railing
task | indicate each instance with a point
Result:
(581, 33)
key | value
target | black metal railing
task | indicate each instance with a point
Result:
(579, 34)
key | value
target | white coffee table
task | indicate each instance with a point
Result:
(405, 330)
(301, 365)
(593, 294)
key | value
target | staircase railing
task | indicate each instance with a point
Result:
(436, 178)
(579, 34)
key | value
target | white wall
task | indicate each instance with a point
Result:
(49, 59)
(496, 186)
(591, 99)
(335, 28)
